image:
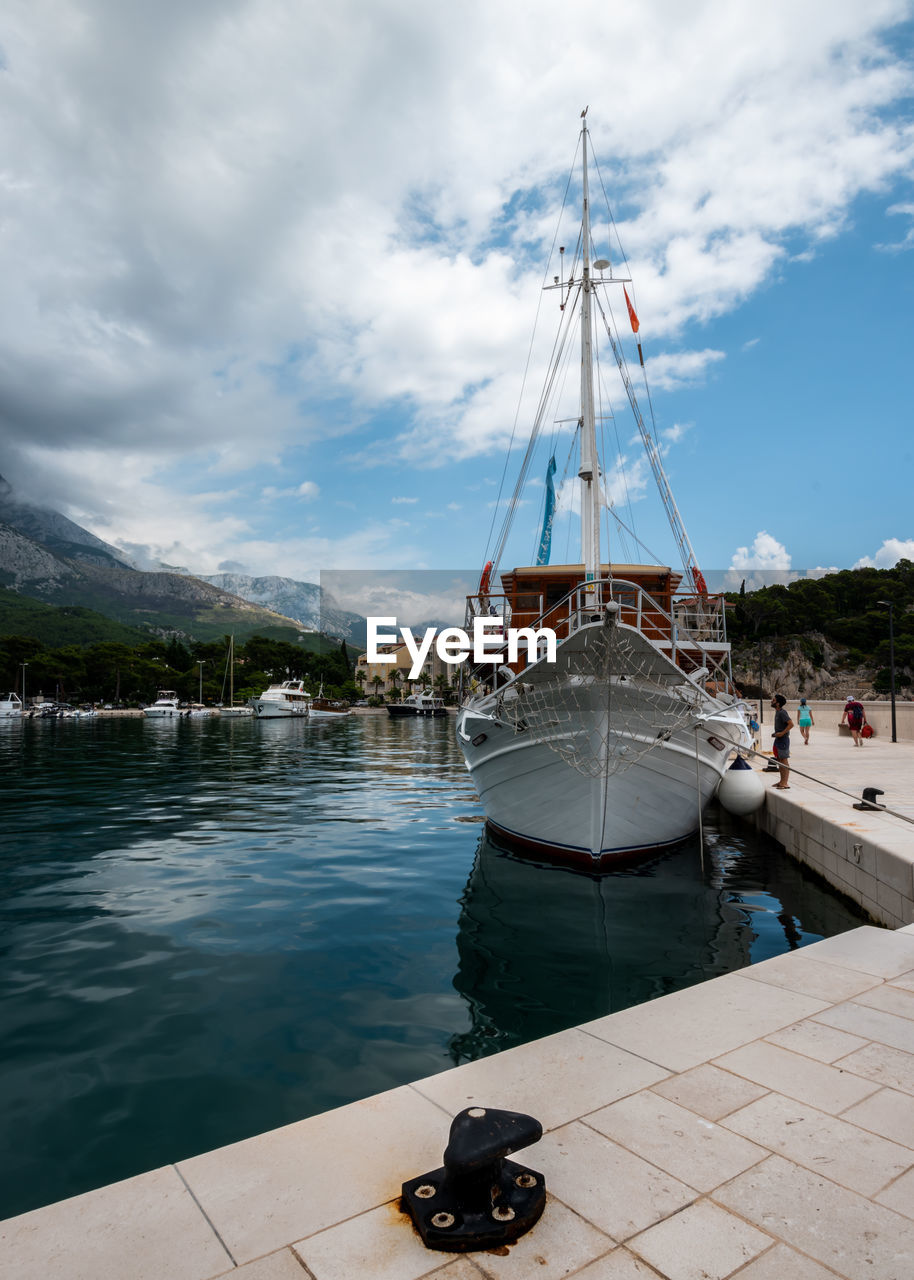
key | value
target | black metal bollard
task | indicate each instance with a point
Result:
(478, 1199)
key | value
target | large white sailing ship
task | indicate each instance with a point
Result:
(614, 748)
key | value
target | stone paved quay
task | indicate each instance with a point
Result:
(867, 855)
(758, 1125)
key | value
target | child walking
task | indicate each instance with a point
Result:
(805, 720)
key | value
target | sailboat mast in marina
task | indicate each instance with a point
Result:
(230, 709)
(612, 749)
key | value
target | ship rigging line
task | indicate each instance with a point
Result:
(687, 554)
(893, 813)
(545, 398)
(501, 485)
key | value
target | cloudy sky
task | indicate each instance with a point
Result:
(270, 269)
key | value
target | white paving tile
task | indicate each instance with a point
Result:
(857, 1159)
(687, 1028)
(617, 1191)
(691, 1148)
(381, 1244)
(555, 1079)
(900, 1195)
(871, 1024)
(892, 1067)
(884, 953)
(703, 1242)
(141, 1229)
(618, 1265)
(281, 1186)
(709, 1091)
(783, 1263)
(277, 1266)
(815, 1040)
(845, 1231)
(888, 997)
(888, 1113)
(800, 971)
(798, 1077)
(558, 1245)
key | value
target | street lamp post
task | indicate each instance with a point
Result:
(24, 665)
(887, 604)
(761, 695)
(200, 668)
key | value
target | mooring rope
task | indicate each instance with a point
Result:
(751, 751)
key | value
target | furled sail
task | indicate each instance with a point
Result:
(542, 556)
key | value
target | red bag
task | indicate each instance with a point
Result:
(866, 731)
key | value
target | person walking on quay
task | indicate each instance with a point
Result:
(782, 726)
(805, 720)
(854, 715)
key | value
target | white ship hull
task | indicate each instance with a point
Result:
(531, 795)
(621, 771)
(276, 711)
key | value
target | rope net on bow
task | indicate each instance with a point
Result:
(621, 701)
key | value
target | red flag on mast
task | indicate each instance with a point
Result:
(636, 324)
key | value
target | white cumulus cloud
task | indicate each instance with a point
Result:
(888, 555)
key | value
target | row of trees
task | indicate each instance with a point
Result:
(126, 675)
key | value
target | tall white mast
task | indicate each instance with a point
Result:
(589, 472)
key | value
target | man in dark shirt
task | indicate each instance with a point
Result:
(782, 726)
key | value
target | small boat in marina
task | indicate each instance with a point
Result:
(230, 709)
(328, 708)
(165, 707)
(241, 709)
(610, 745)
(418, 704)
(10, 706)
(282, 701)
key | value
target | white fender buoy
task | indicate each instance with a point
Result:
(740, 791)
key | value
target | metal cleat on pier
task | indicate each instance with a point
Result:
(478, 1199)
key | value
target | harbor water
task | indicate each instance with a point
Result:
(212, 928)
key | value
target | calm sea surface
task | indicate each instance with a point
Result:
(213, 928)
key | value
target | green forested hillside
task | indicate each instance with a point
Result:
(848, 608)
(60, 624)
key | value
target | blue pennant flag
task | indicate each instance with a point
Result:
(542, 556)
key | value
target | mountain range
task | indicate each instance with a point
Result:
(45, 556)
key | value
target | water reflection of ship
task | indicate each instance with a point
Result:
(543, 948)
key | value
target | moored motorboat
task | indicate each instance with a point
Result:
(10, 706)
(165, 707)
(281, 701)
(328, 708)
(610, 745)
(418, 704)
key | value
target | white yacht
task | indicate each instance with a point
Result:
(418, 704)
(281, 701)
(164, 707)
(10, 706)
